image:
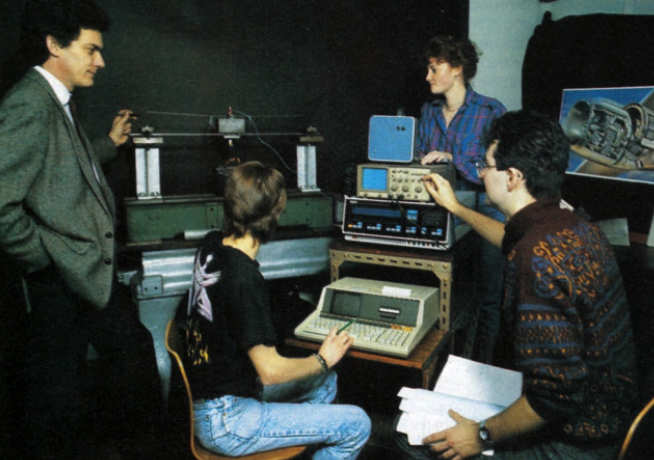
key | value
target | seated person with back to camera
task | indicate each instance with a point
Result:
(565, 314)
(249, 398)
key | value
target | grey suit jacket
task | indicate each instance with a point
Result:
(53, 210)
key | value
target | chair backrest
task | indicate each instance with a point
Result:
(637, 443)
(175, 346)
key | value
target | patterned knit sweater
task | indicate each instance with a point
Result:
(569, 321)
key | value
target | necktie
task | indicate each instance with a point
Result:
(73, 114)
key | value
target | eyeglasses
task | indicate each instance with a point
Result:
(480, 165)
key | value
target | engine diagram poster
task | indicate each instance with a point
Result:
(611, 131)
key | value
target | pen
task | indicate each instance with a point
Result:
(345, 326)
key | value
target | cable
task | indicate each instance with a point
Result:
(256, 131)
(178, 114)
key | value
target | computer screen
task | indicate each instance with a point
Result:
(375, 179)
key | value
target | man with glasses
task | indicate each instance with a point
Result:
(481, 165)
(566, 321)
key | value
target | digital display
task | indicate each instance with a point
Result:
(374, 179)
(376, 212)
(401, 222)
(346, 303)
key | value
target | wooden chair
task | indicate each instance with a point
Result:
(639, 430)
(174, 346)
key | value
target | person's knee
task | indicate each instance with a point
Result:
(366, 423)
(360, 423)
(353, 424)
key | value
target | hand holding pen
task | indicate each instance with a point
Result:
(335, 345)
(345, 326)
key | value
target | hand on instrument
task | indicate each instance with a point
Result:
(335, 346)
(436, 156)
(121, 127)
(441, 190)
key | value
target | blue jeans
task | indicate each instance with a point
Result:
(232, 425)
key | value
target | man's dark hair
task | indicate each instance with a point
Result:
(456, 52)
(534, 144)
(63, 19)
(255, 196)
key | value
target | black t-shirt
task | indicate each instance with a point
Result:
(233, 317)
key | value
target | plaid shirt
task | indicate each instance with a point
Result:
(464, 136)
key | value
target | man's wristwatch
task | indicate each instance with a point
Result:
(485, 436)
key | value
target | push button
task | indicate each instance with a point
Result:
(107, 260)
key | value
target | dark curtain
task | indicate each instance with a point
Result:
(592, 51)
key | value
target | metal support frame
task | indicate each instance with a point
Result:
(442, 270)
(146, 156)
(148, 172)
(306, 168)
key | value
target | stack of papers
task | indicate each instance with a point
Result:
(475, 390)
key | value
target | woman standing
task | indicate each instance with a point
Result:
(451, 129)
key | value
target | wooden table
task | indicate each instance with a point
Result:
(424, 357)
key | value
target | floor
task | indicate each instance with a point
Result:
(372, 386)
(170, 441)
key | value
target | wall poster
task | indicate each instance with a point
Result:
(612, 132)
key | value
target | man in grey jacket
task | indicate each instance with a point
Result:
(57, 217)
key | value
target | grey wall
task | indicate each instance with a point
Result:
(502, 28)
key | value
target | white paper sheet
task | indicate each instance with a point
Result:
(478, 381)
(475, 390)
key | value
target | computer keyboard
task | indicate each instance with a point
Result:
(383, 317)
(387, 339)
